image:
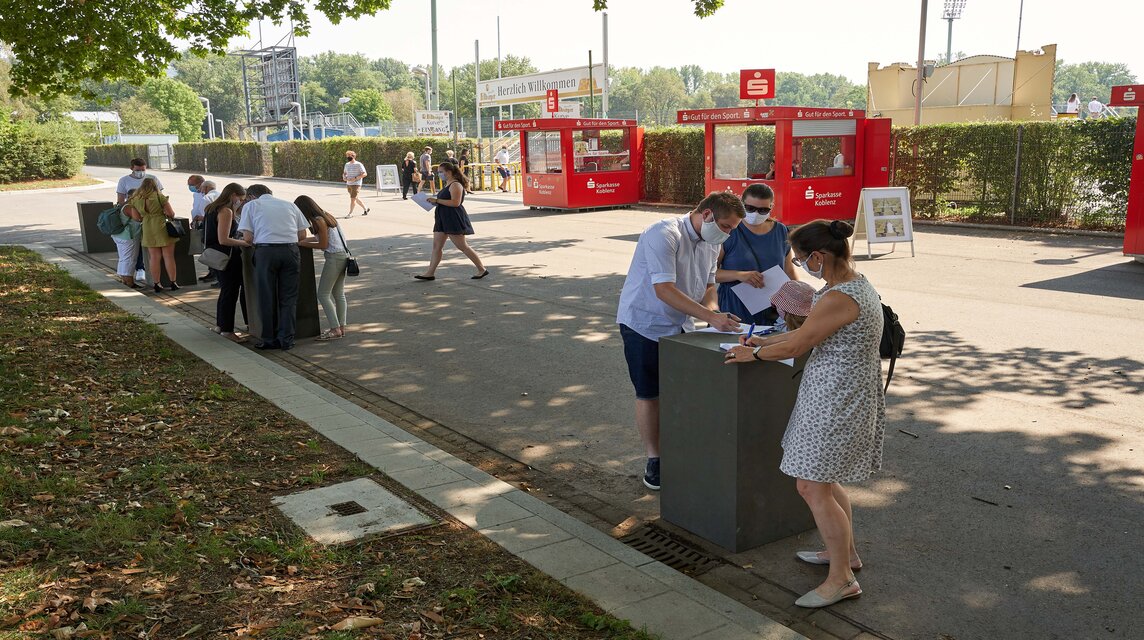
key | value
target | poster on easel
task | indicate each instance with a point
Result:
(387, 177)
(884, 217)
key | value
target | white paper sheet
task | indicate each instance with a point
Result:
(743, 328)
(422, 198)
(727, 346)
(758, 299)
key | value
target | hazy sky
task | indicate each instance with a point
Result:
(808, 36)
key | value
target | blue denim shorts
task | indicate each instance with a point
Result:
(642, 356)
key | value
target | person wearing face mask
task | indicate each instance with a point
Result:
(353, 174)
(670, 282)
(838, 424)
(450, 220)
(220, 223)
(131, 181)
(758, 244)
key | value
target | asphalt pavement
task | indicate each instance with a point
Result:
(1011, 498)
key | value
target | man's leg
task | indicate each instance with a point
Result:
(642, 356)
(290, 266)
(647, 422)
(264, 286)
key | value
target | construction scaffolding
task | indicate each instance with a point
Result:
(271, 87)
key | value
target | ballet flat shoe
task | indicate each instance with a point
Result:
(812, 557)
(814, 601)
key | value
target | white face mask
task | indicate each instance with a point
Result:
(816, 274)
(138, 174)
(710, 232)
(754, 217)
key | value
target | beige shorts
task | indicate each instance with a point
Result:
(353, 189)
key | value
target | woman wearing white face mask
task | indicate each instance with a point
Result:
(838, 424)
(758, 244)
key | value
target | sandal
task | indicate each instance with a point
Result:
(329, 335)
(234, 337)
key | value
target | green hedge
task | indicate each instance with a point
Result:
(1072, 174)
(324, 159)
(39, 151)
(221, 156)
(673, 165)
(114, 155)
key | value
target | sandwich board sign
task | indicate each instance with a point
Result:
(884, 216)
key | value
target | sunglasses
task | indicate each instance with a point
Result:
(753, 209)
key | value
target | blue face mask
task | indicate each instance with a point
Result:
(192, 188)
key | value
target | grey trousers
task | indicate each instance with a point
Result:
(276, 276)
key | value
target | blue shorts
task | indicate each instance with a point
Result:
(642, 356)
(503, 171)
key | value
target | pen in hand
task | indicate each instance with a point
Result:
(751, 331)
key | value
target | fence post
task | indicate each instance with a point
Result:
(1016, 177)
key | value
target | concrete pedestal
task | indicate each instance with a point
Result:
(306, 314)
(94, 240)
(720, 432)
(185, 265)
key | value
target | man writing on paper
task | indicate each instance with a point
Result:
(670, 281)
(758, 244)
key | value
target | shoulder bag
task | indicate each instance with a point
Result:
(175, 228)
(352, 268)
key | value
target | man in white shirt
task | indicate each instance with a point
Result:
(353, 174)
(502, 167)
(194, 181)
(1095, 108)
(209, 191)
(274, 227)
(132, 180)
(671, 281)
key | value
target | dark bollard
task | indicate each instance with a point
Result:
(720, 432)
(94, 240)
(306, 313)
(185, 265)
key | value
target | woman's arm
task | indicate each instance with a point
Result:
(168, 210)
(321, 238)
(455, 194)
(834, 311)
(132, 213)
(225, 219)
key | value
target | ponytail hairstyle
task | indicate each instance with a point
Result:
(827, 236)
(313, 213)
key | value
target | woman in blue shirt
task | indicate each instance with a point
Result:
(754, 246)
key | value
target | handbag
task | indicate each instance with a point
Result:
(215, 259)
(416, 176)
(175, 229)
(197, 245)
(352, 268)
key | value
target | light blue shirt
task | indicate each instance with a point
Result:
(668, 251)
(198, 203)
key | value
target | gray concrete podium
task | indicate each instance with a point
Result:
(721, 428)
(185, 265)
(307, 324)
(94, 240)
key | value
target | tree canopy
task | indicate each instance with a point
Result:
(1088, 79)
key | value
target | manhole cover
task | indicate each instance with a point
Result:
(351, 510)
(670, 550)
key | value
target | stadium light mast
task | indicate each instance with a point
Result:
(953, 9)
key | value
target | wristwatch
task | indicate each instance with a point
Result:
(756, 353)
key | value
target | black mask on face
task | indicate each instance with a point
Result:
(349, 159)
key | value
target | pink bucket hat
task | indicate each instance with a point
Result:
(794, 298)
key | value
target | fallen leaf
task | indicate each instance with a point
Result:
(433, 616)
(12, 524)
(12, 431)
(356, 623)
(412, 583)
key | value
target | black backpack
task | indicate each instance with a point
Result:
(893, 339)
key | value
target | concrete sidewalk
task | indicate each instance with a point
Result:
(624, 582)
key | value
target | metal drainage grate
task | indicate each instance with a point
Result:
(675, 553)
(347, 508)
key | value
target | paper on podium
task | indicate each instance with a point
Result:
(422, 199)
(758, 299)
(727, 346)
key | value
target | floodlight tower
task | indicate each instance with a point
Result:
(953, 9)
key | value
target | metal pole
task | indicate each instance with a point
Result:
(604, 105)
(221, 129)
(949, 42)
(477, 93)
(591, 88)
(500, 109)
(456, 114)
(921, 64)
(1020, 16)
(436, 81)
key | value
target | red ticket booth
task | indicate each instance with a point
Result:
(1133, 96)
(579, 163)
(817, 160)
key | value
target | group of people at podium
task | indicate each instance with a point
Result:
(683, 270)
